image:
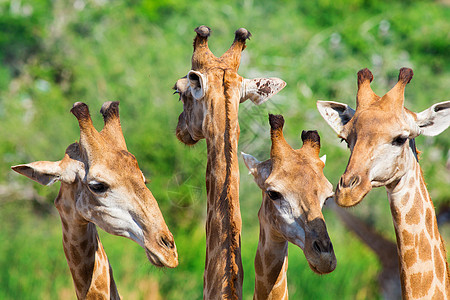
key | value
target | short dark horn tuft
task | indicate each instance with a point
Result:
(110, 110)
(276, 122)
(364, 75)
(80, 110)
(242, 34)
(311, 136)
(203, 31)
(405, 75)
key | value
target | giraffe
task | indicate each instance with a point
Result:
(101, 184)
(380, 135)
(385, 250)
(211, 93)
(294, 190)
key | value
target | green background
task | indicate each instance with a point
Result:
(54, 53)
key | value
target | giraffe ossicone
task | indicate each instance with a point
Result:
(101, 184)
(294, 190)
(380, 135)
(211, 92)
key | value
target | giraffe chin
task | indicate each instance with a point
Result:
(182, 131)
(160, 263)
(322, 270)
(347, 197)
(185, 138)
(322, 262)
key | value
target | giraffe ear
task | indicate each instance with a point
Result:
(197, 84)
(48, 172)
(251, 163)
(324, 159)
(43, 172)
(435, 119)
(259, 170)
(335, 114)
(259, 90)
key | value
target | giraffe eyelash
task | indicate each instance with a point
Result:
(344, 140)
(98, 187)
(179, 93)
(145, 178)
(274, 195)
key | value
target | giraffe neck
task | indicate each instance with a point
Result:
(271, 263)
(423, 266)
(91, 272)
(223, 275)
(385, 249)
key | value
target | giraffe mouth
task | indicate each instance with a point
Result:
(186, 138)
(182, 131)
(154, 259)
(322, 272)
(347, 197)
(314, 269)
(159, 262)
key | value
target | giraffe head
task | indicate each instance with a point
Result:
(106, 186)
(294, 191)
(380, 135)
(213, 88)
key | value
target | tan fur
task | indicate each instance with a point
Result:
(297, 175)
(102, 157)
(376, 124)
(211, 94)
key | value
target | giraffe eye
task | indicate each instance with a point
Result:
(399, 141)
(98, 187)
(274, 195)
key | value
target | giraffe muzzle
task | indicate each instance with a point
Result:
(319, 250)
(182, 132)
(167, 242)
(323, 260)
(322, 246)
(352, 182)
(351, 190)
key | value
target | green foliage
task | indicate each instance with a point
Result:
(31, 254)
(54, 53)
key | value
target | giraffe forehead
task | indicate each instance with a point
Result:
(296, 178)
(377, 123)
(375, 117)
(295, 163)
(115, 164)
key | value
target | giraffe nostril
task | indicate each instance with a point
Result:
(330, 247)
(354, 181)
(341, 182)
(167, 242)
(317, 247)
(351, 183)
(322, 247)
